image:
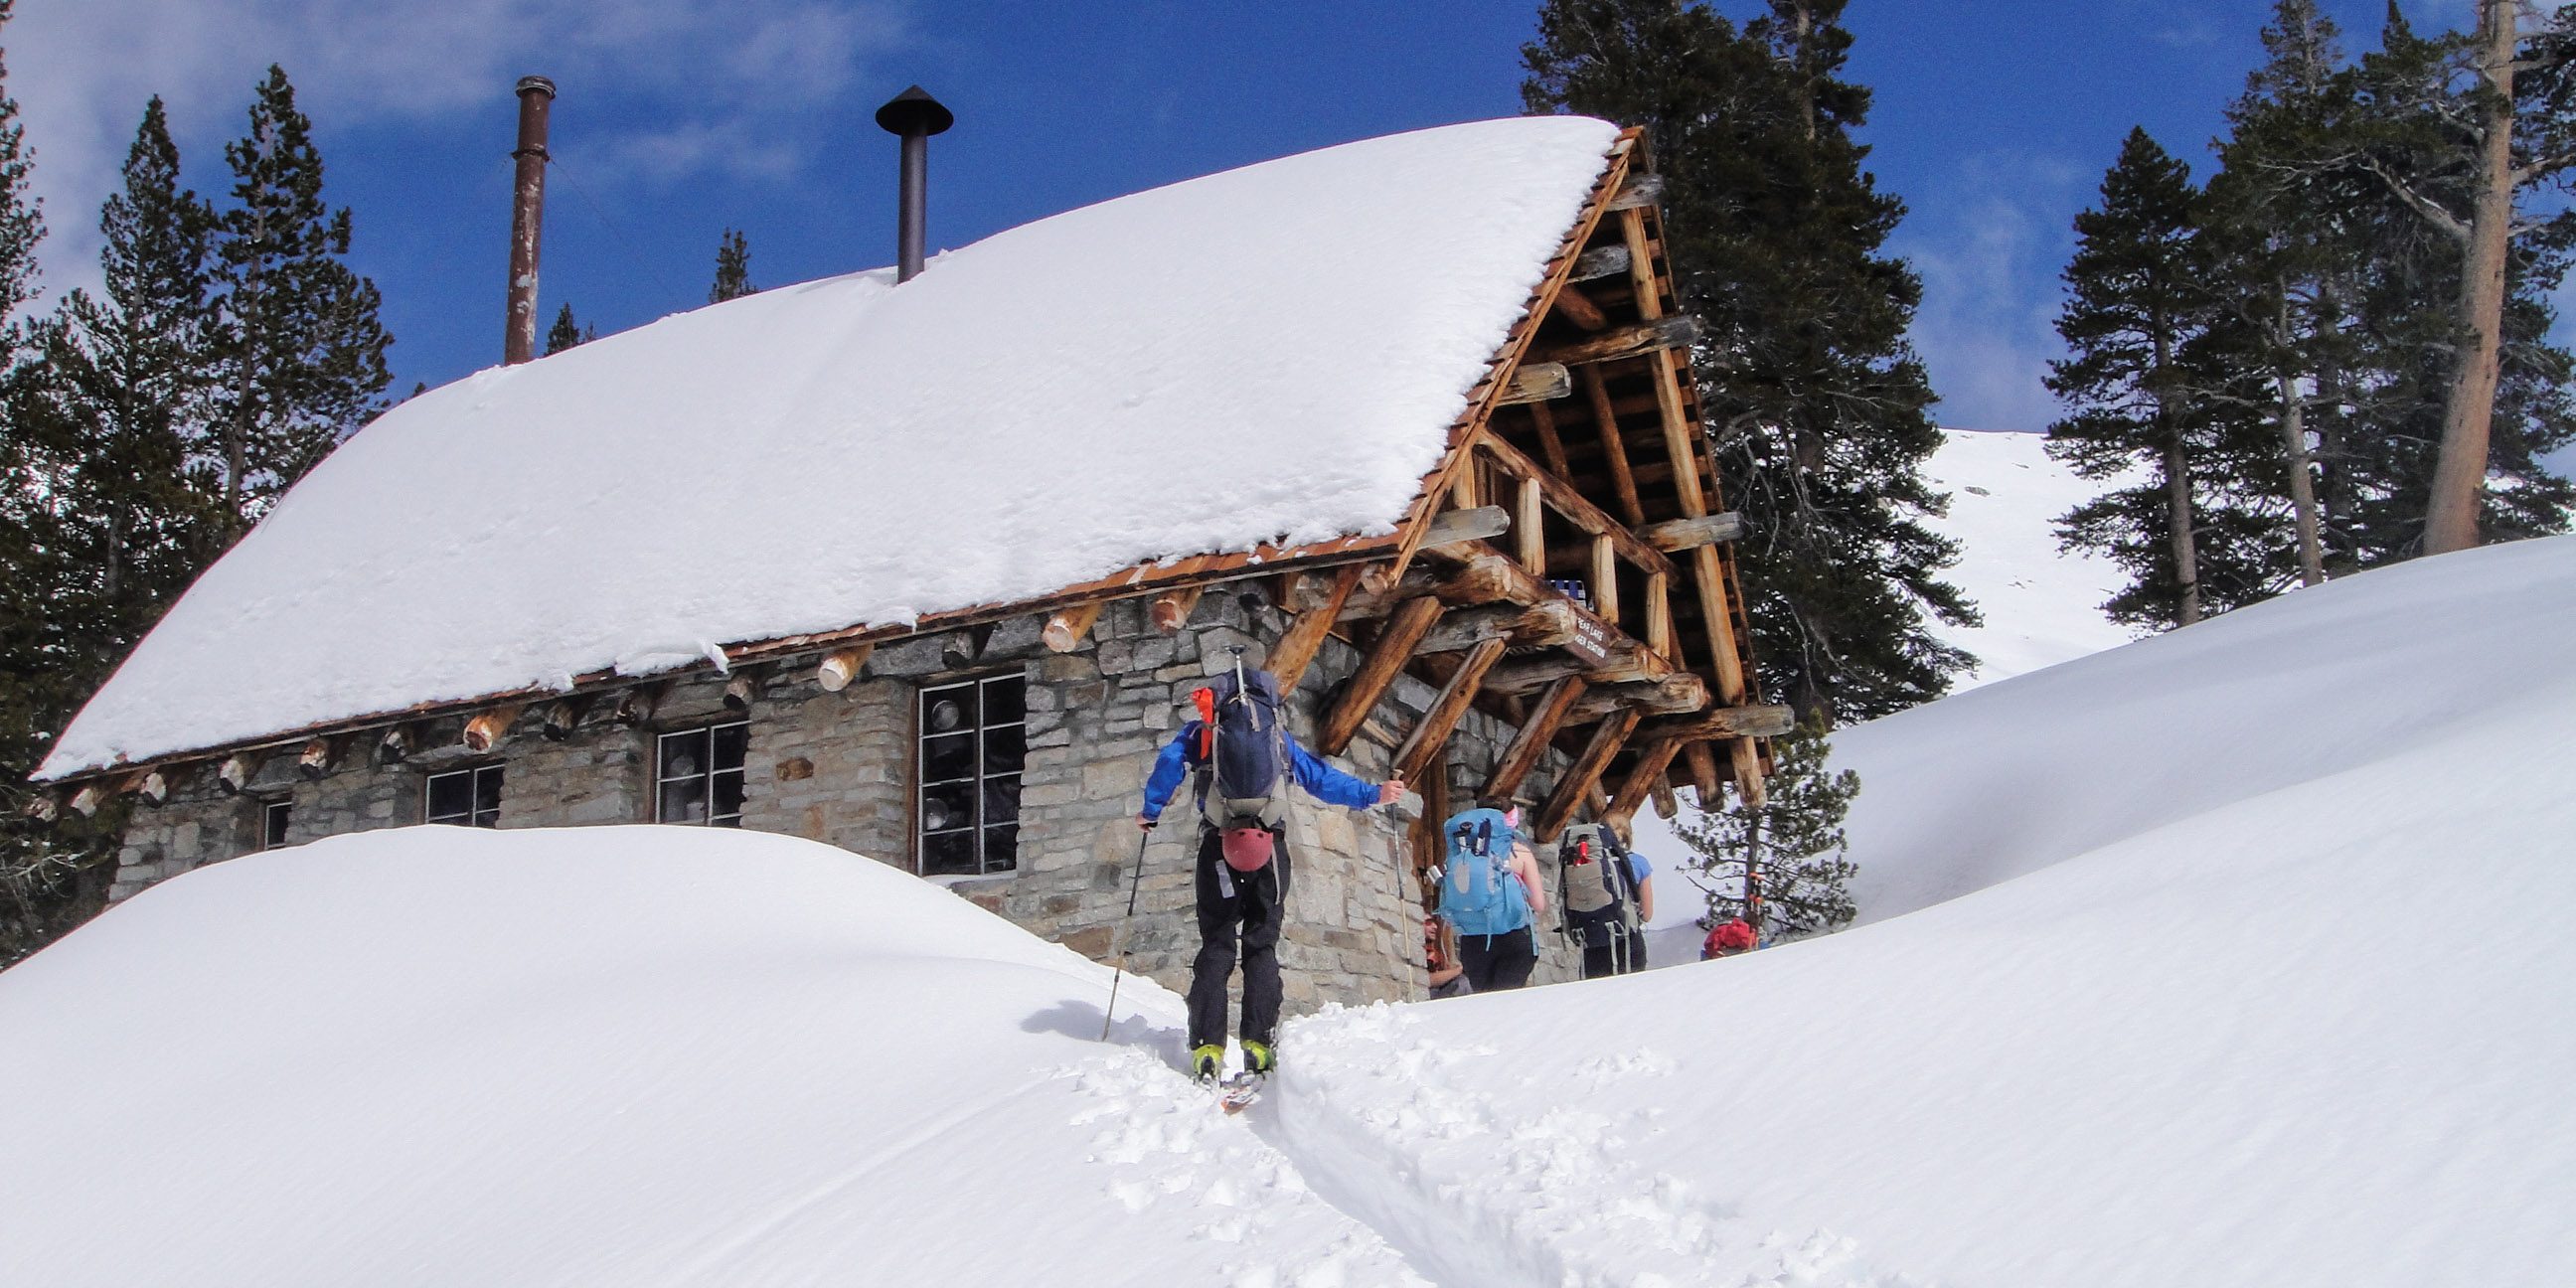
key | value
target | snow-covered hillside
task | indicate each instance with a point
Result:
(2256, 974)
(2041, 606)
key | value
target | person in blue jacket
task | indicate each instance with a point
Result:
(1236, 899)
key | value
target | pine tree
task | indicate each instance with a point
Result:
(302, 350)
(2138, 322)
(566, 333)
(1802, 867)
(22, 224)
(733, 268)
(1819, 409)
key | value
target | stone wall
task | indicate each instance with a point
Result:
(838, 768)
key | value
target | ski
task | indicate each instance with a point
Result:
(1238, 1093)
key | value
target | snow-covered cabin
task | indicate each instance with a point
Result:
(929, 570)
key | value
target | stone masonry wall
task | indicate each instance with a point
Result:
(838, 768)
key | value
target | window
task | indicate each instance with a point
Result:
(973, 741)
(272, 823)
(466, 797)
(700, 776)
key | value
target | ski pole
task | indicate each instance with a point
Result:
(1114, 980)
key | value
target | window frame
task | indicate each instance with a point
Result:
(707, 774)
(981, 826)
(276, 819)
(473, 816)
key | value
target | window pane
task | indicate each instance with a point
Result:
(948, 853)
(730, 742)
(487, 796)
(1002, 848)
(272, 824)
(451, 797)
(1002, 800)
(684, 801)
(947, 807)
(728, 788)
(1005, 748)
(948, 757)
(948, 710)
(684, 754)
(1005, 699)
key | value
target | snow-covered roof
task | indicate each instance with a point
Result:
(1268, 355)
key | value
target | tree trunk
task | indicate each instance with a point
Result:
(2459, 474)
(2186, 558)
(2303, 494)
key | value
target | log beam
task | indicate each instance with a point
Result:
(1585, 774)
(1395, 645)
(1537, 382)
(1726, 722)
(1529, 526)
(1703, 774)
(1680, 693)
(563, 715)
(237, 771)
(1064, 631)
(1576, 307)
(1529, 746)
(1677, 332)
(1690, 534)
(1297, 649)
(1546, 624)
(637, 705)
(489, 726)
(1600, 262)
(1659, 614)
(1614, 449)
(1653, 759)
(1171, 610)
(155, 787)
(43, 806)
(85, 802)
(1605, 578)
(315, 760)
(1456, 527)
(1628, 663)
(1549, 445)
(741, 689)
(1432, 733)
(840, 668)
(1667, 805)
(397, 744)
(1577, 509)
(1639, 192)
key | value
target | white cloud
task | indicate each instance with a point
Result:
(711, 77)
(1990, 244)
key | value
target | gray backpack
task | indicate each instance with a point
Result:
(1599, 899)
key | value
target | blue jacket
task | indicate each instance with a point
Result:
(1321, 781)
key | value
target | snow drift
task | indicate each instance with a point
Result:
(2278, 997)
(620, 1056)
(846, 452)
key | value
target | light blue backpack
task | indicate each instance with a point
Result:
(1481, 895)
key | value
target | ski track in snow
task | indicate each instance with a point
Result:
(1392, 1129)
(1164, 1140)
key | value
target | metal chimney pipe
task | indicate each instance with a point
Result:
(914, 115)
(527, 219)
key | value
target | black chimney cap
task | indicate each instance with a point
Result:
(536, 84)
(914, 111)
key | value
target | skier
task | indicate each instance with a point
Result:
(1241, 751)
(1491, 893)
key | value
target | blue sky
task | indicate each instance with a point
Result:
(679, 118)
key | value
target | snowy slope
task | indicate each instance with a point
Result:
(2010, 778)
(2042, 606)
(617, 1056)
(2278, 997)
(849, 452)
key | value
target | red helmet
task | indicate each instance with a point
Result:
(1733, 937)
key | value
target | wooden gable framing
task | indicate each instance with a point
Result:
(1579, 462)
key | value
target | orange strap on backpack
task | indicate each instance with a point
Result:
(1206, 702)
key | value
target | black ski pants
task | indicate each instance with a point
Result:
(1246, 905)
(1498, 961)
